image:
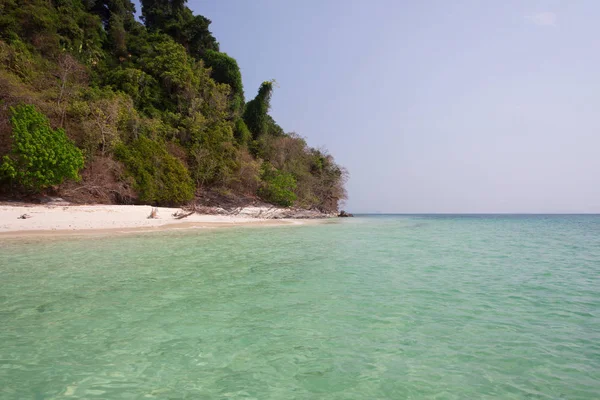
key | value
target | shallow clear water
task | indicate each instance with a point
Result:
(388, 307)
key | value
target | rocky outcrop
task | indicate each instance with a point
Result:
(344, 214)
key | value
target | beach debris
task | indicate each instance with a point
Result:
(182, 214)
(153, 213)
(25, 216)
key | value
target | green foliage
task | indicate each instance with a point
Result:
(226, 70)
(169, 62)
(273, 129)
(256, 113)
(241, 132)
(105, 9)
(106, 118)
(246, 177)
(196, 37)
(278, 187)
(117, 34)
(40, 156)
(52, 29)
(212, 155)
(17, 58)
(176, 20)
(29, 20)
(320, 181)
(142, 87)
(158, 96)
(159, 177)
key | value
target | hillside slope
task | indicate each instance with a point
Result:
(98, 107)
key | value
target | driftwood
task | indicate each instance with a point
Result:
(261, 210)
(153, 213)
(182, 214)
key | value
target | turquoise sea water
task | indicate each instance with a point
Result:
(387, 307)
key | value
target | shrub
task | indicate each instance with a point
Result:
(278, 187)
(40, 156)
(159, 177)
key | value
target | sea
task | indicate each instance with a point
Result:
(371, 307)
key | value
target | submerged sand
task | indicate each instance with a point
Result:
(53, 219)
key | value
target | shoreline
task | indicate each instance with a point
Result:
(84, 220)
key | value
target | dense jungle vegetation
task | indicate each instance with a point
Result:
(97, 106)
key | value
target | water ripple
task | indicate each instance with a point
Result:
(439, 307)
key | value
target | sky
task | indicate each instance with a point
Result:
(433, 106)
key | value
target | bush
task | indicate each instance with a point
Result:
(40, 156)
(278, 187)
(159, 177)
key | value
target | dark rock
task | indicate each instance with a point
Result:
(344, 214)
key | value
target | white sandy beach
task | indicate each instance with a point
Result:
(58, 219)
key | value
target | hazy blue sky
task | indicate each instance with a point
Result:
(433, 106)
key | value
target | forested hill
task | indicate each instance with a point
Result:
(97, 106)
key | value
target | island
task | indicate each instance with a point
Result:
(98, 108)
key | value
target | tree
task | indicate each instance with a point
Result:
(226, 70)
(257, 109)
(70, 74)
(105, 9)
(158, 96)
(197, 38)
(176, 20)
(241, 132)
(278, 187)
(117, 16)
(159, 177)
(212, 155)
(101, 124)
(40, 156)
(142, 87)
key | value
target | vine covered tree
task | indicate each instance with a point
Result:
(256, 115)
